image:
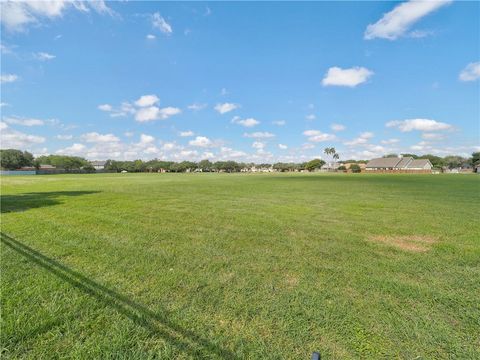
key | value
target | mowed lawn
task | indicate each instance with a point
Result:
(240, 266)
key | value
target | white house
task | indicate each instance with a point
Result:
(98, 165)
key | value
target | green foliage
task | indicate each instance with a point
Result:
(314, 164)
(342, 168)
(63, 161)
(355, 168)
(12, 159)
(89, 168)
(475, 160)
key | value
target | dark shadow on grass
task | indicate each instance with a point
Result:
(158, 325)
(32, 200)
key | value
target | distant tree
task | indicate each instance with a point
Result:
(411, 155)
(205, 165)
(89, 168)
(475, 160)
(436, 161)
(342, 168)
(355, 168)
(453, 161)
(13, 159)
(314, 164)
(63, 161)
(390, 156)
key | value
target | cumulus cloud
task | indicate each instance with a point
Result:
(151, 37)
(64, 137)
(18, 15)
(390, 141)
(337, 127)
(11, 138)
(433, 136)
(259, 135)
(282, 146)
(144, 109)
(186, 133)
(258, 145)
(225, 107)
(105, 107)
(73, 150)
(147, 100)
(196, 107)
(397, 22)
(160, 23)
(318, 136)
(94, 137)
(201, 141)
(419, 125)
(8, 78)
(471, 72)
(351, 77)
(363, 138)
(43, 56)
(250, 122)
(24, 121)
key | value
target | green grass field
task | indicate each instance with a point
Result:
(237, 266)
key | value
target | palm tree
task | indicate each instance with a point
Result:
(331, 151)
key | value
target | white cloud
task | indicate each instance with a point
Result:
(24, 121)
(362, 139)
(390, 141)
(151, 37)
(351, 77)
(229, 153)
(160, 23)
(11, 138)
(259, 135)
(196, 107)
(64, 137)
(471, 72)
(8, 78)
(43, 56)
(258, 145)
(310, 117)
(147, 100)
(18, 15)
(397, 22)
(279, 122)
(419, 125)
(337, 127)
(74, 150)
(282, 146)
(433, 136)
(105, 107)
(225, 107)
(2, 104)
(201, 141)
(250, 122)
(318, 136)
(128, 133)
(146, 140)
(147, 112)
(94, 137)
(186, 133)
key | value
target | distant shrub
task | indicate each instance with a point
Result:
(355, 168)
(342, 168)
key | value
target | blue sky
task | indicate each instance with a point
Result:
(247, 81)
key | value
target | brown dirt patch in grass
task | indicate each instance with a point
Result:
(413, 243)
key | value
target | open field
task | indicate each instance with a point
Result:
(238, 266)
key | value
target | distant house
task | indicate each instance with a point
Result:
(98, 165)
(330, 166)
(404, 164)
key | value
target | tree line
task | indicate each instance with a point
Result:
(12, 159)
